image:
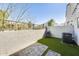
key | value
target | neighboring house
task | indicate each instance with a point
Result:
(72, 18)
(13, 25)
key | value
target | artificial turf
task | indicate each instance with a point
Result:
(57, 45)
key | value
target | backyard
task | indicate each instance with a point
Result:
(57, 45)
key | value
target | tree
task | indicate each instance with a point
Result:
(51, 22)
(3, 16)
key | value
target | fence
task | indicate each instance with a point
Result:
(58, 30)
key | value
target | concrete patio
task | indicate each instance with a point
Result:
(13, 41)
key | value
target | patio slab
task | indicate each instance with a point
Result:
(52, 53)
(13, 41)
(36, 49)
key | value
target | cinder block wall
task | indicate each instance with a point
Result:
(58, 30)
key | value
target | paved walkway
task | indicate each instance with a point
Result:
(35, 49)
(13, 41)
(52, 53)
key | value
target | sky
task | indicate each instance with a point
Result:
(37, 13)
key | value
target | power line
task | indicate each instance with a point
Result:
(4, 14)
(11, 9)
(21, 15)
(4, 18)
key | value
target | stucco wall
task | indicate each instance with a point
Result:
(76, 35)
(76, 30)
(74, 16)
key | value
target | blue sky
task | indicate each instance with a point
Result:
(38, 12)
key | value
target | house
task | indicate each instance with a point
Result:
(14, 25)
(72, 18)
(71, 24)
